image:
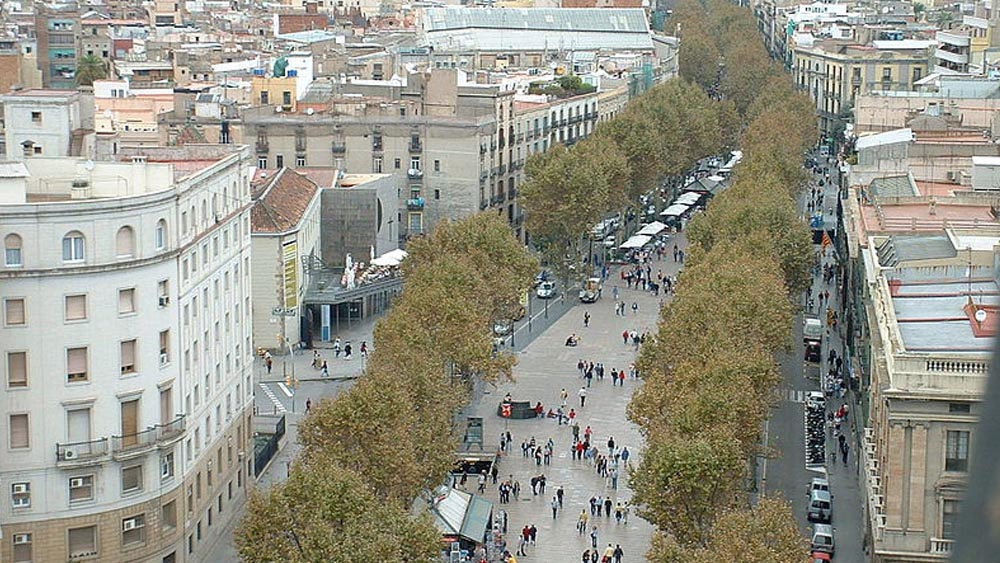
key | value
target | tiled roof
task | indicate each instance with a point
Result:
(280, 201)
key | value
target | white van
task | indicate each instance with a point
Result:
(822, 538)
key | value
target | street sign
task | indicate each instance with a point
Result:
(284, 312)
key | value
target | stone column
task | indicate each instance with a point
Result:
(893, 486)
(918, 477)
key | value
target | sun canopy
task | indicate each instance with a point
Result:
(391, 258)
(636, 241)
(675, 210)
(688, 198)
(653, 228)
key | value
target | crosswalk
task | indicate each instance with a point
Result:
(794, 395)
(278, 406)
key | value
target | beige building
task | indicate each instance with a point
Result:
(929, 353)
(834, 73)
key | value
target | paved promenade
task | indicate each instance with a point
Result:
(545, 367)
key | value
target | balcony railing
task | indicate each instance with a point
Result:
(941, 546)
(415, 204)
(300, 144)
(484, 204)
(171, 430)
(81, 452)
(414, 174)
(503, 169)
(511, 193)
(416, 146)
(262, 145)
(339, 148)
(133, 443)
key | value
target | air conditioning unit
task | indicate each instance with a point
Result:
(164, 300)
(129, 524)
(20, 488)
(164, 358)
(953, 176)
(69, 454)
(76, 483)
(22, 539)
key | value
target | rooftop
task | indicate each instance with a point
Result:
(280, 201)
(932, 316)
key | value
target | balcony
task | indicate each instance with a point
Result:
(81, 453)
(132, 445)
(940, 546)
(511, 193)
(262, 146)
(484, 174)
(339, 148)
(171, 431)
(416, 146)
(518, 219)
(497, 199)
(484, 204)
(503, 169)
(414, 174)
(415, 204)
(300, 144)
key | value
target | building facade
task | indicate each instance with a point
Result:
(57, 27)
(46, 123)
(145, 461)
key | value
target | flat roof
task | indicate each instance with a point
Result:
(986, 160)
(931, 315)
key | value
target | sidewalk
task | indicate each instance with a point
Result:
(545, 367)
(339, 368)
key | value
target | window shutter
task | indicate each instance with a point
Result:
(128, 355)
(124, 242)
(17, 369)
(126, 298)
(76, 307)
(15, 311)
(19, 431)
(76, 360)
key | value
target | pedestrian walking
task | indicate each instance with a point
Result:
(559, 495)
(268, 362)
(586, 556)
(625, 337)
(607, 507)
(309, 405)
(593, 537)
(619, 553)
(583, 396)
(336, 347)
(555, 504)
(581, 522)
(586, 319)
(325, 370)
(347, 351)
(635, 311)
(364, 349)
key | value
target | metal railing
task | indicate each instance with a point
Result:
(82, 451)
(126, 443)
(172, 429)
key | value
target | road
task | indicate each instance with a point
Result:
(787, 472)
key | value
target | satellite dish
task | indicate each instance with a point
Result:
(980, 316)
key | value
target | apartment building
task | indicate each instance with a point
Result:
(127, 357)
(57, 27)
(834, 73)
(47, 123)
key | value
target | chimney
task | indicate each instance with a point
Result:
(933, 109)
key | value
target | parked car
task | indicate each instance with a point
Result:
(820, 506)
(822, 538)
(820, 557)
(546, 290)
(816, 399)
(818, 484)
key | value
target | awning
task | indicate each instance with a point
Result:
(391, 258)
(653, 228)
(636, 241)
(688, 198)
(675, 210)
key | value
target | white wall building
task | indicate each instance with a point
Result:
(42, 123)
(126, 354)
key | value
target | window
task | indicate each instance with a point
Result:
(128, 349)
(131, 479)
(167, 466)
(887, 74)
(81, 488)
(82, 542)
(962, 408)
(949, 518)
(300, 161)
(133, 529)
(76, 365)
(72, 247)
(437, 194)
(19, 437)
(76, 307)
(12, 251)
(957, 451)
(125, 243)
(414, 163)
(377, 165)
(279, 161)
(164, 347)
(160, 235)
(163, 291)
(126, 301)
(22, 548)
(13, 312)
(168, 514)
(262, 163)
(17, 369)
(396, 164)
(437, 165)
(20, 495)
(36, 117)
